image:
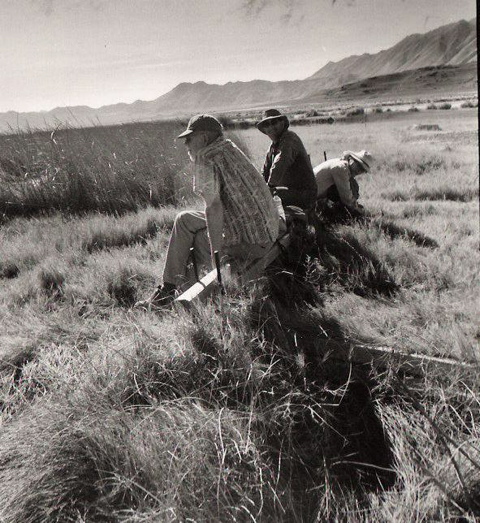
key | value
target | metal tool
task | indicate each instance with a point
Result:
(194, 263)
(216, 256)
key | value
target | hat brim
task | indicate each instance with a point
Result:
(260, 124)
(363, 163)
(185, 133)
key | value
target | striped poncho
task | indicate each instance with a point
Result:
(250, 213)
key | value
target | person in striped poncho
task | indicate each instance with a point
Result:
(240, 220)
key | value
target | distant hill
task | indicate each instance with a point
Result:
(451, 50)
(429, 82)
(452, 44)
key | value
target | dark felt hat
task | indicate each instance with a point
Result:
(271, 114)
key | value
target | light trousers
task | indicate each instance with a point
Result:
(190, 230)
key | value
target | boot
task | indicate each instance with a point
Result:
(162, 297)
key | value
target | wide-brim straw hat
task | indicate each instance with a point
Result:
(271, 114)
(364, 158)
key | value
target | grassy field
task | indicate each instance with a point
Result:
(234, 411)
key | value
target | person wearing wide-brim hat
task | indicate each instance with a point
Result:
(287, 168)
(271, 116)
(336, 177)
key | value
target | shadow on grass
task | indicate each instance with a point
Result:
(339, 215)
(353, 266)
(117, 237)
(311, 421)
(9, 270)
(12, 362)
(333, 438)
(394, 231)
(439, 194)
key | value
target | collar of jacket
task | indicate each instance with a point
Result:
(279, 139)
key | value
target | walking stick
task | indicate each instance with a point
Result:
(325, 155)
(194, 263)
(219, 274)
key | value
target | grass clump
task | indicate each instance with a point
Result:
(129, 466)
(9, 269)
(438, 193)
(106, 235)
(357, 111)
(468, 105)
(52, 280)
(446, 193)
(202, 420)
(347, 262)
(419, 165)
(122, 284)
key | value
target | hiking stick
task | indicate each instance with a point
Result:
(219, 273)
(194, 263)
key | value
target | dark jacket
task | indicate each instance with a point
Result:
(288, 165)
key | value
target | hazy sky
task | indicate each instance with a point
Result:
(98, 52)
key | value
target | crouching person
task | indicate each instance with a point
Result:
(336, 179)
(240, 219)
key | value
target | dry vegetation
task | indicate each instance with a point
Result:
(235, 412)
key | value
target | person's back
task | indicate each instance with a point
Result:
(250, 214)
(333, 176)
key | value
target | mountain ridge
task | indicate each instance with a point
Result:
(413, 52)
(449, 45)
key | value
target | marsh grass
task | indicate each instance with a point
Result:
(104, 169)
(110, 170)
(236, 410)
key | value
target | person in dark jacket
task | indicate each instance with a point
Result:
(287, 169)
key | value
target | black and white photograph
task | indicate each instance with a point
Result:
(239, 261)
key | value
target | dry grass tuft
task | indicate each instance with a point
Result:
(52, 281)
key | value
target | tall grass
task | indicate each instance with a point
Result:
(100, 169)
(236, 411)
(105, 169)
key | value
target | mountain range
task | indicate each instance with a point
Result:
(439, 61)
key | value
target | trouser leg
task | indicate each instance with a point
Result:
(189, 230)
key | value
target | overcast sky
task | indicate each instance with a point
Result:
(98, 52)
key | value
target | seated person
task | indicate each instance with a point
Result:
(287, 169)
(240, 219)
(336, 177)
